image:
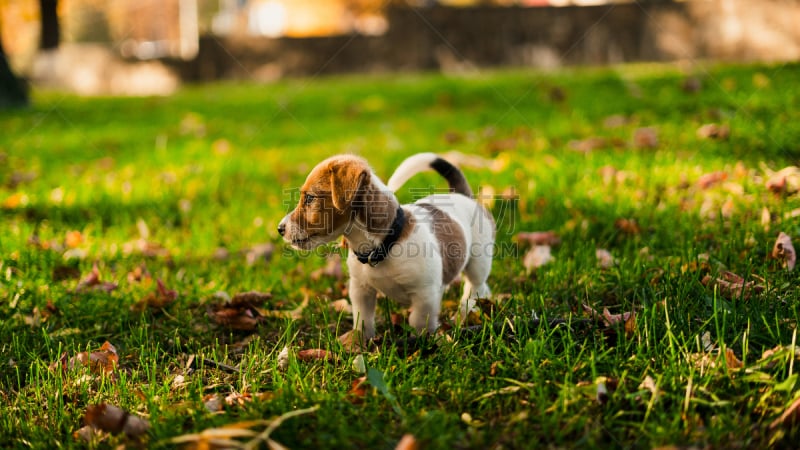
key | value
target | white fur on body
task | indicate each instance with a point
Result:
(412, 272)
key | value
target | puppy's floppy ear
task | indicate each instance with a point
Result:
(347, 178)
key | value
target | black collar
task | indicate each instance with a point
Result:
(380, 252)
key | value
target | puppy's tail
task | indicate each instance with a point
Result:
(425, 161)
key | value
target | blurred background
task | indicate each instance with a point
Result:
(149, 47)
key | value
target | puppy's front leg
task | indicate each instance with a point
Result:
(425, 307)
(363, 299)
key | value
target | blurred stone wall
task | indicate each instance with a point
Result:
(455, 39)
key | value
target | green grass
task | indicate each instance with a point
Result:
(213, 168)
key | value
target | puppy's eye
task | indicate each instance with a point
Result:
(309, 199)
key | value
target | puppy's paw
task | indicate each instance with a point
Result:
(353, 341)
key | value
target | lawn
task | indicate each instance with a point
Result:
(144, 222)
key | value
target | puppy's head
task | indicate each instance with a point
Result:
(326, 202)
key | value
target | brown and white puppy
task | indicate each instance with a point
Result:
(410, 252)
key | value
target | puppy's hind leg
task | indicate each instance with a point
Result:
(475, 287)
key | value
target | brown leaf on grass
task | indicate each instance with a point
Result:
(139, 274)
(156, 300)
(731, 360)
(259, 252)
(145, 248)
(710, 179)
(784, 181)
(550, 238)
(342, 305)
(650, 384)
(615, 121)
(790, 416)
(784, 250)
(627, 226)
(352, 341)
(317, 354)
(251, 298)
(358, 391)
(714, 131)
(238, 398)
(407, 442)
(235, 317)
(213, 403)
(645, 138)
(242, 312)
(92, 281)
(294, 314)
(332, 269)
(114, 420)
(536, 257)
(587, 145)
(628, 319)
(101, 362)
(714, 359)
(732, 286)
(88, 434)
(604, 258)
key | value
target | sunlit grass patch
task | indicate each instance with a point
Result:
(661, 316)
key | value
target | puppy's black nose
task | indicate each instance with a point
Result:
(281, 229)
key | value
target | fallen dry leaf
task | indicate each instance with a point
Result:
(236, 318)
(407, 442)
(587, 145)
(784, 250)
(645, 138)
(790, 416)
(732, 286)
(156, 300)
(731, 360)
(615, 121)
(710, 179)
(650, 384)
(784, 181)
(550, 238)
(604, 258)
(114, 420)
(628, 319)
(139, 274)
(536, 257)
(101, 362)
(92, 281)
(243, 312)
(238, 398)
(627, 226)
(145, 248)
(317, 354)
(259, 252)
(714, 131)
(358, 390)
(342, 305)
(213, 403)
(714, 359)
(283, 358)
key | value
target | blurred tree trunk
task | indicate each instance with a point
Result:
(51, 31)
(13, 91)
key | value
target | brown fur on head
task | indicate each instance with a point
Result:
(326, 200)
